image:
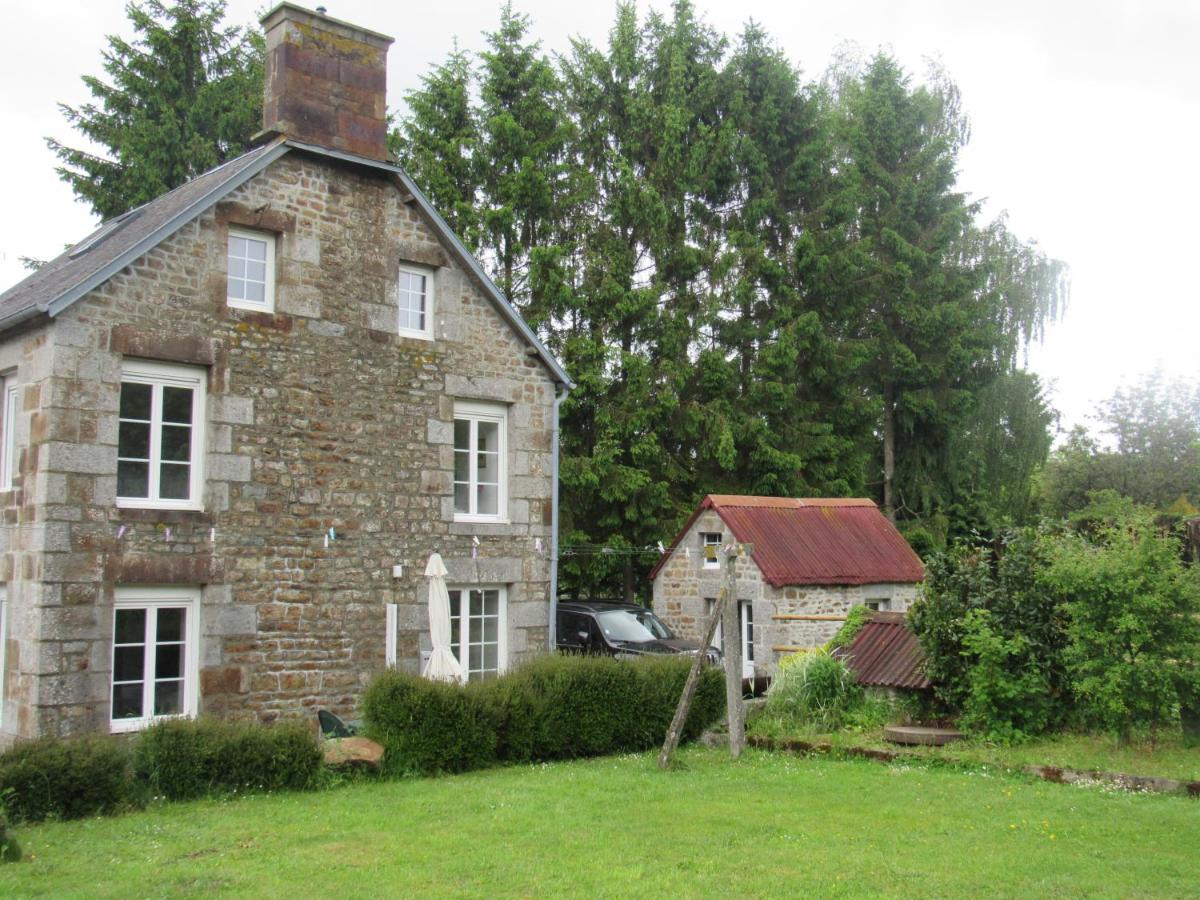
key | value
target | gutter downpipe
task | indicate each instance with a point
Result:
(560, 394)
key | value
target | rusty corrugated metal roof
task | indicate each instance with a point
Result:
(819, 541)
(813, 540)
(885, 653)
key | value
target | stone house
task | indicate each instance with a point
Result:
(813, 560)
(237, 421)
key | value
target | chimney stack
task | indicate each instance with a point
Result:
(325, 82)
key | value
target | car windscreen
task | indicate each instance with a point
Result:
(636, 626)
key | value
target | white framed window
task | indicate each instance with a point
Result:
(156, 655)
(711, 560)
(8, 432)
(881, 604)
(3, 644)
(250, 276)
(480, 462)
(478, 630)
(160, 436)
(416, 302)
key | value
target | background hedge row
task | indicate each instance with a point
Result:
(554, 707)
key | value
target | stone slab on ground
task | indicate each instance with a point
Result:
(921, 734)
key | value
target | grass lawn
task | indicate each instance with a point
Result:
(1168, 758)
(770, 824)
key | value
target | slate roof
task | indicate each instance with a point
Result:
(121, 241)
(886, 653)
(814, 541)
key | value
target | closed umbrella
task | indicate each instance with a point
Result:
(443, 665)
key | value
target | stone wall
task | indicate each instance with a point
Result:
(319, 416)
(683, 585)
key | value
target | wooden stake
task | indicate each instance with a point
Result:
(732, 639)
(689, 688)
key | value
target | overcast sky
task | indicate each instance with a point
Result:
(1085, 128)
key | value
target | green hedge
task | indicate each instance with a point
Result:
(429, 727)
(554, 707)
(175, 760)
(183, 758)
(52, 778)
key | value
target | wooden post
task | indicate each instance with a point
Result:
(728, 584)
(689, 686)
(732, 635)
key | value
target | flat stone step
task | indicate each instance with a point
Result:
(921, 734)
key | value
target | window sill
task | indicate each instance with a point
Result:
(480, 520)
(250, 307)
(415, 335)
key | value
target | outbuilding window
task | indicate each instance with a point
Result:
(251, 272)
(710, 542)
(480, 462)
(155, 655)
(160, 436)
(478, 624)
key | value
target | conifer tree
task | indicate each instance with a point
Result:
(438, 142)
(519, 161)
(183, 96)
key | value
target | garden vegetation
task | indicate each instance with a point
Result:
(1091, 624)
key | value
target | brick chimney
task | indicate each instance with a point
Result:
(325, 81)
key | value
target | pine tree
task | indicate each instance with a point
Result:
(519, 161)
(184, 96)
(438, 142)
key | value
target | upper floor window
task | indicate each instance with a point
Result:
(480, 462)
(8, 432)
(709, 543)
(156, 655)
(251, 273)
(416, 302)
(160, 436)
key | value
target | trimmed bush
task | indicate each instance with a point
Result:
(183, 758)
(64, 779)
(553, 707)
(429, 727)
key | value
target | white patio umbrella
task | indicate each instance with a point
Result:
(443, 665)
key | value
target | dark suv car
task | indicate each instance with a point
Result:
(618, 629)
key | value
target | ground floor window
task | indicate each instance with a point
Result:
(3, 643)
(155, 655)
(478, 619)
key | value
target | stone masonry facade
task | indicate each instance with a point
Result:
(319, 416)
(786, 619)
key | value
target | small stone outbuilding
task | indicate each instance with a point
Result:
(813, 559)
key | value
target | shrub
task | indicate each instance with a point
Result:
(184, 758)
(1007, 696)
(814, 688)
(65, 779)
(427, 727)
(1132, 622)
(553, 707)
(1025, 634)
